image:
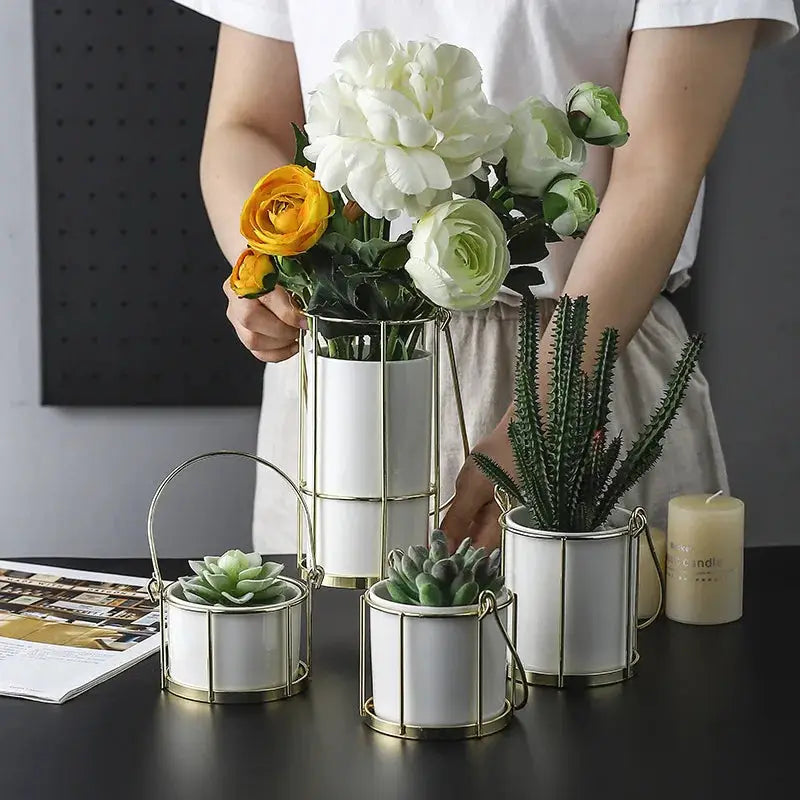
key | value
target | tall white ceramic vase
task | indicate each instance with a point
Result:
(367, 446)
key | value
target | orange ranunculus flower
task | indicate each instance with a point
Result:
(287, 212)
(253, 274)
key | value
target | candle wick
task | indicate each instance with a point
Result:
(714, 496)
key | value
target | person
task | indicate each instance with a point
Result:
(679, 67)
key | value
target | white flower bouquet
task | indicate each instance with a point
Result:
(407, 129)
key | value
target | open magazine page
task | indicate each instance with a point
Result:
(63, 631)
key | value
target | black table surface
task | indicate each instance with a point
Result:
(713, 712)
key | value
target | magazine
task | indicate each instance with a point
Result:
(63, 631)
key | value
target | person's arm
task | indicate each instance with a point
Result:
(255, 97)
(679, 89)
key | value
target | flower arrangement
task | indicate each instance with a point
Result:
(570, 474)
(432, 577)
(405, 128)
(234, 579)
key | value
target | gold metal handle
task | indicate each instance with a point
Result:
(487, 604)
(638, 525)
(155, 585)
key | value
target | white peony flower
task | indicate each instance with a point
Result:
(541, 147)
(459, 255)
(573, 213)
(402, 127)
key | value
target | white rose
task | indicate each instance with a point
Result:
(570, 205)
(595, 116)
(541, 147)
(459, 255)
(402, 127)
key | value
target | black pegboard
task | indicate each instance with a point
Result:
(131, 307)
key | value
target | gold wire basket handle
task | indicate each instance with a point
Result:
(638, 526)
(487, 604)
(503, 500)
(444, 325)
(156, 584)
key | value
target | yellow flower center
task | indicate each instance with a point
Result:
(283, 216)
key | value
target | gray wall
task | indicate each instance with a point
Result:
(79, 482)
(745, 294)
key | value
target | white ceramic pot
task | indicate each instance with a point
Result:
(348, 446)
(439, 662)
(599, 613)
(248, 644)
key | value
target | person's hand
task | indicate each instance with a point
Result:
(474, 512)
(267, 327)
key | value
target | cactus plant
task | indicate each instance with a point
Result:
(432, 577)
(571, 475)
(234, 579)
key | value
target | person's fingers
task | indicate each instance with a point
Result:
(253, 316)
(280, 303)
(259, 317)
(485, 529)
(258, 342)
(473, 491)
(274, 356)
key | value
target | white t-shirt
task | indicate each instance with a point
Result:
(526, 47)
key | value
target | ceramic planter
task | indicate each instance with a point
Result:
(577, 599)
(343, 461)
(234, 653)
(435, 671)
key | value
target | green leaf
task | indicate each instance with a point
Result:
(528, 247)
(466, 595)
(198, 567)
(640, 457)
(430, 592)
(369, 253)
(400, 596)
(238, 601)
(394, 259)
(300, 143)
(481, 190)
(553, 205)
(276, 590)
(579, 122)
(498, 476)
(444, 571)
(220, 582)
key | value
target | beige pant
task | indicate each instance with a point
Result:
(485, 343)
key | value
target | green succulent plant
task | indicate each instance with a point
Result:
(234, 579)
(432, 577)
(570, 472)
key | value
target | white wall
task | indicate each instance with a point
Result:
(79, 482)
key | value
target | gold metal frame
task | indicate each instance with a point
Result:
(487, 605)
(160, 592)
(441, 324)
(637, 525)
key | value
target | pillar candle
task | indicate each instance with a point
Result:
(705, 553)
(648, 577)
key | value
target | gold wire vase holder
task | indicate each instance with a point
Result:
(287, 615)
(434, 328)
(636, 526)
(488, 605)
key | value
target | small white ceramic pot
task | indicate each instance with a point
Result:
(349, 450)
(576, 600)
(246, 653)
(438, 675)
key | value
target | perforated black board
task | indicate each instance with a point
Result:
(131, 307)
